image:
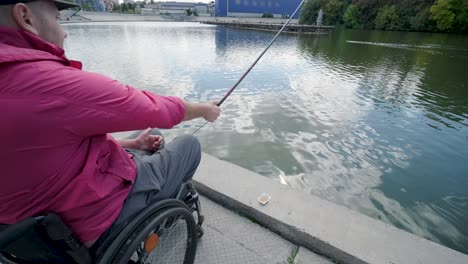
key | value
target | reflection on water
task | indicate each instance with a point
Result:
(375, 121)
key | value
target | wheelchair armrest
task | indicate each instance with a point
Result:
(15, 231)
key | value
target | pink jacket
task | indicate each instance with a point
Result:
(55, 155)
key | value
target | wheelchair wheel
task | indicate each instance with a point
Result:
(168, 236)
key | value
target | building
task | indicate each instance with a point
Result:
(256, 8)
(174, 8)
(91, 5)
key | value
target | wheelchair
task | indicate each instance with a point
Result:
(165, 232)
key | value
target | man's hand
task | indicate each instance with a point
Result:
(147, 142)
(209, 111)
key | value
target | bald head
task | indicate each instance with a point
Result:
(38, 17)
(8, 13)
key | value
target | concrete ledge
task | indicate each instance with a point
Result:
(318, 225)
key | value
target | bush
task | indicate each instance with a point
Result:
(267, 15)
(310, 11)
(387, 18)
(351, 17)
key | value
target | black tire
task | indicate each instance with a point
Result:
(164, 223)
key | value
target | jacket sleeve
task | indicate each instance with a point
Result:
(94, 104)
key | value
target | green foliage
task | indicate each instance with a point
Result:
(116, 8)
(188, 12)
(418, 15)
(462, 18)
(293, 255)
(351, 17)
(334, 10)
(420, 21)
(267, 15)
(450, 15)
(85, 7)
(123, 8)
(310, 10)
(442, 14)
(128, 8)
(387, 18)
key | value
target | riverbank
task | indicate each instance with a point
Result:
(266, 24)
(261, 25)
(86, 16)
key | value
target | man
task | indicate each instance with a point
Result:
(56, 155)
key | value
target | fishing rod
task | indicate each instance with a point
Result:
(255, 62)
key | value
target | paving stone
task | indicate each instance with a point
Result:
(215, 248)
(305, 256)
(261, 242)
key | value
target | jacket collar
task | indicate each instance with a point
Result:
(25, 46)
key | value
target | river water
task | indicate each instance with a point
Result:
(375, 121)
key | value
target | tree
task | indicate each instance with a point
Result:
(460, 9)
(462, 18)
(420, 21)
(116, 8)
(368, 10)
(85, 7)
(387, 18)
(418, 15)
(351, 17)
(443, 15)
(310, 11)
(124, 7)
(334, 10)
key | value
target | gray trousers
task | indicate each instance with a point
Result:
(161, 173)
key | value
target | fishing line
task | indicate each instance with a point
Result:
(255, 62)
(208, 122)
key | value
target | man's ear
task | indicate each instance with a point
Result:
(24, 18)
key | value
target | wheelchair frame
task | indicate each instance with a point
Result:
(117, 247)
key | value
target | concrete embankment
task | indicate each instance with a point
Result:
(84, 16)
(318, 225)
(268, 24)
